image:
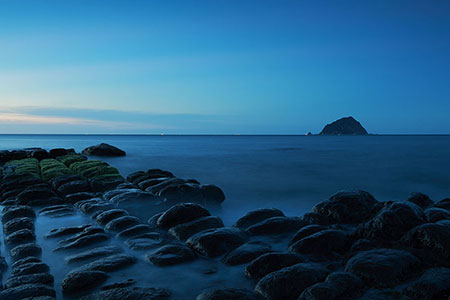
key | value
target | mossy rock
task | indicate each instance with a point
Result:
(107, 177)
(84, 165)
(25, 166)
(94, 171)
(69, 159)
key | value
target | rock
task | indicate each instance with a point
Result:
(421, 200)
(74, 187)
(145, 241)
(39, 278)
(276, 225)
(3, 265)
(257, 216)
(108, 264)
(37, 195)
(435, 214)
(18, 224)
(109, 215)
(84, 241)
(56, 182)
(228, 294)
(25, 250)
(122, 223)
(153, 221)
(433, 284)
(314, 218)
(25, 260)
(60, 152)
(59, 232)
(91, 208)
(306, 231)
(30, 268)
(134, 231)
(344, 126)
(383, 294)
(27, 290)
(120, 284)
(116, 192)
(289, 283)
(40, 154)
(103, 150)
(170, 255)
(80, 196)
(94, 253)
(338, 285)
(80, 282)
(144, 184)
(181, 213)
(348, 207)
(20, 237)
(130, 293)
(87, 231)
(445, 204)
(12, 212)
(433, 239)
(382, 268)
(216, 242)
(270, 262)
(139, 204)
(212, 194)
(325, 243)
(186, 230)
(362, 245)
(246, 253)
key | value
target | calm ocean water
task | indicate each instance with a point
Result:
(288, 172)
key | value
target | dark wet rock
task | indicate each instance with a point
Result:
(212, 194)
(270, 262)
(186, 230)
(362, 245)
(39, 278)
(25, 260)
(140, 204)
(3, 265)
(382, 294)
(383, 268)
(153, 221)
(103, 150)
(25, 250)
(130, 293)
(84, 241)
(52, 208)
(122, 223)
(323, 243)
(276, 225)
(40, 154)
(80, 282)
(94, 253)
(105, 185)
(306, 231)
(91, 208)
(145, 242)
(170, 255)
(12, 212)
(20, 237)
(433, 239)
(27, 290)
(444, 203)
(56, 182)
(60, 152)
(344, 126)
(87, 231)
(120, 284)
(289, 283)
(420, 200)
(80, 196)
(36, 195)
(181, 213)
(314, 218)
(433, 284)
(246, 253)
(393, 221)
(74, 187)
(338, 285)
(435, 214)
(157, 188)
(59, 232)
(30, 268)
(216, 242)
(108, 264)
(348, 207)
(58, 211)
(116, 192)
(134, 231)
(257, 216)
(109, 215)
(228, 294)
(151, 182)
(18, 224)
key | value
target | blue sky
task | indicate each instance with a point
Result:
(233, 67)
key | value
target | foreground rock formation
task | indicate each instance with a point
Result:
(107, 234)
(344, 126)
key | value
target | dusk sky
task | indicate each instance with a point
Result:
(225, 67)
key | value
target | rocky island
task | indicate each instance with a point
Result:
(113, 237)
(344, 126)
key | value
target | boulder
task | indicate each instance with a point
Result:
(84, 241)
(270, 262)
(108, 264)
(38, 278)
(420, 200)
(434, 214)
(12, 212)
(103, 150)
(18, 224)
(30, 268)
(170, 255)
(181, 213)
(73, 187)
(27, 290)
(306, 231)
(20, 237)
(228, 294)
(444, 203)
(257, 216)
(25, 250)
(134, 231)
(383, 268)
(276, 225)
(246, 253)
(129, 293)
(109, 215)
(325, 243)
(288, 283)
(216, 242)
(433, 284)
(63, 231)
(25, 260)
(93, 253)
(146, 241)
(122, 223)
(80, 282)
(314, 218)
(186, 230)
(348, 207)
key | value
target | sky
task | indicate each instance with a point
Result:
(223, 66)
